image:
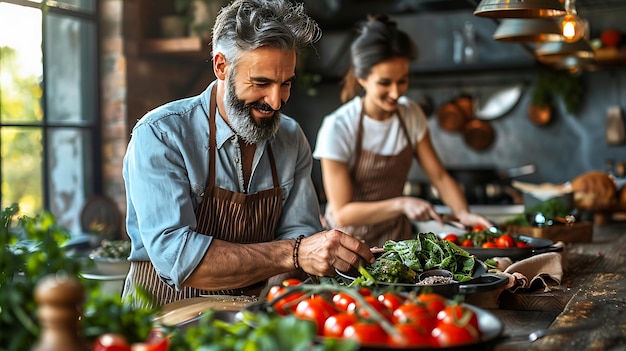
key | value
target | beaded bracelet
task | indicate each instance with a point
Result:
(295, 251)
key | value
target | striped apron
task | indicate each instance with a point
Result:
(224, 214)
(374, 178)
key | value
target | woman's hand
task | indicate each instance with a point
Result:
(417, 209)
(470, 220)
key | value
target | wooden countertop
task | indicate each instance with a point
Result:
(592, 295)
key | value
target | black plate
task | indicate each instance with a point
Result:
(481, 281)
(490, 326)
(537, 246)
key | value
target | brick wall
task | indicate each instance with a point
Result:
(113, 99)
(132, 84)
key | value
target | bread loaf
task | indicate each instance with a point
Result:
(594, 190)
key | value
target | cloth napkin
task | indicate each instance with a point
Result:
(540, 271)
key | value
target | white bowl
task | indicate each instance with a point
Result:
(111, 266)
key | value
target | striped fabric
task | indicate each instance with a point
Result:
(226, 215)
(378, 177)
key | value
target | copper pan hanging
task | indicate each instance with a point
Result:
(478, 134)
(451, 117)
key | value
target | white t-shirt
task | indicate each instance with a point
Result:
(336, 138)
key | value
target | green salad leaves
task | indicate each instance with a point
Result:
(403, 260)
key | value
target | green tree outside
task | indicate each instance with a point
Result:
(20, 146)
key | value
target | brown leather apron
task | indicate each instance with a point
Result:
(224, 214)
(374, 178)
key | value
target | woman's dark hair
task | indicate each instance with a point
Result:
(379, 40)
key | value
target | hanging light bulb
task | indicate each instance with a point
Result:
(572, 26)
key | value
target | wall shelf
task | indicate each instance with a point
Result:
(190, 48)
(610, 56)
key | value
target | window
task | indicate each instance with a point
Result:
(49, 140)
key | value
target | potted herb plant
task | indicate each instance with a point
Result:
(199, 15)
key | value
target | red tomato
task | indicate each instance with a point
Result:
(489, 245)
(505, 241)
(343, 302)
(522, 244)
(452, 238)
(365, 291)
(288, 302)
(478, 228)
(111, 342)
(366, 333)
(415, 314)
(449, 335)
(467, 243)
(291, 282)
(154, 345)
(411, 335)
(372, 300)
(610, 37)
(316, 309)
(433, 302)
(458, 315)
(156, 341)
(335, 325)
(391, 300)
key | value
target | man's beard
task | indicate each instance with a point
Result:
(240, 116)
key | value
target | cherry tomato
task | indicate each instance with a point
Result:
(156, 344)
(288, 302)
(416, 314)
(377, 305)
(488, 245)
(111, 342)
(366, 333)
(458, 315)
(449, 335)
(433, 302)
(343, 302)
(291, 282)
(316, 309)
(452, 238)
(365, 291)
(391, 300)
(335, 325)
(505, 241)
(479, 228)
(522, 244)
(411, 335)
(467, 243)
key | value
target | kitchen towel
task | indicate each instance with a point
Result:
(540, 271)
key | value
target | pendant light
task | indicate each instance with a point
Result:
(580, 49)
(520, 8)
(528, 30)
(572, 26)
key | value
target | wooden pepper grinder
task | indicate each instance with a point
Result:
(60, 299)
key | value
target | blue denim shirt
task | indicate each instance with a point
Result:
(165, 172)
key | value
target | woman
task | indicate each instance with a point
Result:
(367, 145)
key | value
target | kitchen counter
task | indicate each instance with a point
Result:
(592, 296)
(495, 213)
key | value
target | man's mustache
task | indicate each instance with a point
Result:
(266, 107)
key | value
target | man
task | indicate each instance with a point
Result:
(218, 185)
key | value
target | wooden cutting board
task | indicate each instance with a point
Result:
(183, 310)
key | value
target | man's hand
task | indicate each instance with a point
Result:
(322, 253)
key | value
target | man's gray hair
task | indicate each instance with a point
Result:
(246, 25)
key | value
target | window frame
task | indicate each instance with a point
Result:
(93, 185)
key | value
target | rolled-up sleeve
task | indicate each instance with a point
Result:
(161, 212)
